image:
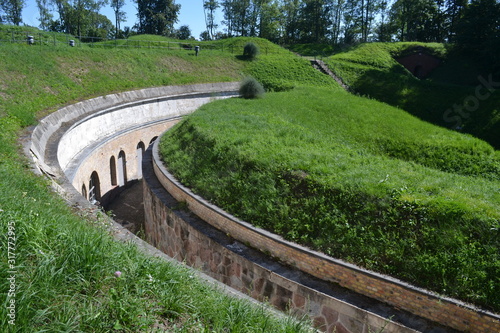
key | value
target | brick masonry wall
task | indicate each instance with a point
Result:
(448, 312)
(99, 160)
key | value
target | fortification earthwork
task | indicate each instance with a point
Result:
(93, 149)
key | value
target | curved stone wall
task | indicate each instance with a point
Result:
(98, 144)
(447, 312)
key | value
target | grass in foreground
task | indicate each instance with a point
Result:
(64, 275)
(354, 178)
(64, 260)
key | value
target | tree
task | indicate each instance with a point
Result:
(290, 20)
(81, 18)
(314, 21)
(478, 31)
(454, 12)
(227, 8)
(369, 9)
(384, 29)
(120, 15)
(45, 14)
(241, 17)
(337, 11)
(205, 36)
(351, 22)
(183, 33)
(13, 10)
(209, 7)
(269, 18)
(157, 17)
(417, 20)
(87, 18)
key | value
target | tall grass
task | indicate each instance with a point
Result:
(65, 260)
(354, 178)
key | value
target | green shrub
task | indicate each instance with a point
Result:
(251, 88)
(250, 51)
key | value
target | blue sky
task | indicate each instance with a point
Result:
(191, 14)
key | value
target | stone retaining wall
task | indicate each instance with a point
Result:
(448, 312)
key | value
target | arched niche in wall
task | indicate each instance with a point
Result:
(122, 168)
(140, 152)
(94, 188)
(84, 191)
(153, 140)
(112, 171)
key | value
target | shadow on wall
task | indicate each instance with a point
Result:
(117, 177)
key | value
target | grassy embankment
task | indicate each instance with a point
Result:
(352, 177)
(449, 98)
(64, 260)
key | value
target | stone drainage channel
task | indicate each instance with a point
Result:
(95, 150)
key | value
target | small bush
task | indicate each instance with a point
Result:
(251, 88)
(250, 51)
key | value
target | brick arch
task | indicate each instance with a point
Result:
(153, 140)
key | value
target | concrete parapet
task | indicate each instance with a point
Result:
(98, 144)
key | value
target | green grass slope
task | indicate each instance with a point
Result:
(62, 261)
(354, 178)
(370, 70)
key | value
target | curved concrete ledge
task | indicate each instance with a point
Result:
(145, 106)
(445, 311)
(42, 142)
(98, 144)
